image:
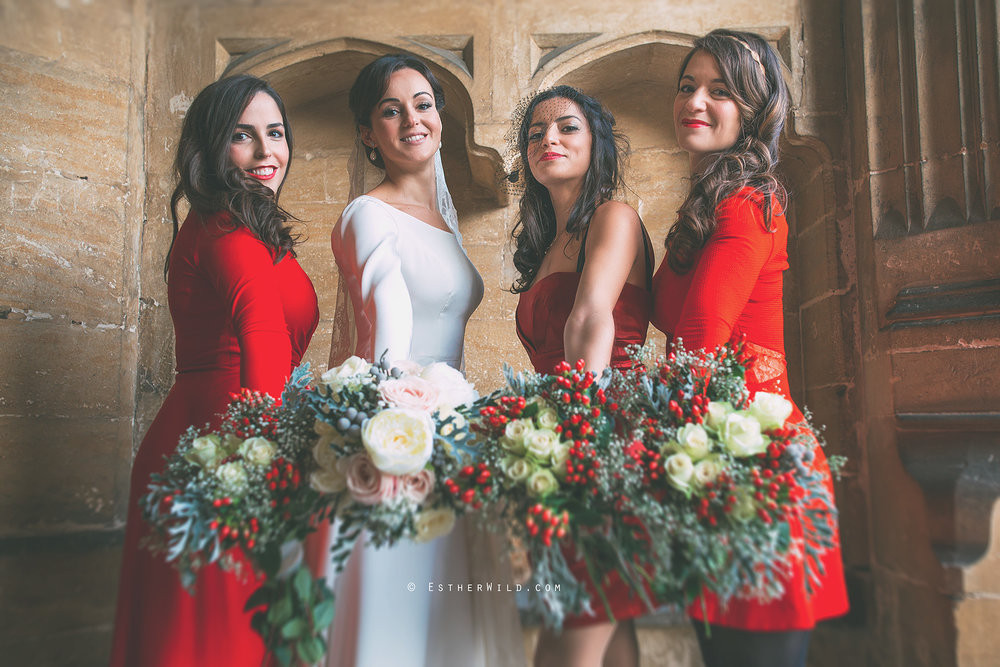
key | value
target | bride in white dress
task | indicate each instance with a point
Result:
(407, 289)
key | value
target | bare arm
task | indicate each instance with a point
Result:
(614, 243)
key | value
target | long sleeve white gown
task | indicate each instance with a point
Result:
(413, 288)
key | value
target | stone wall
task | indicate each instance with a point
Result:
(891, 159)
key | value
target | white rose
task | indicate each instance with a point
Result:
(433, 523)
(232, 475)
(399, 441)
(741, 435)
(679, 470)
(453, 388)
(716, 414)
(541, 483)
(457, 423)
(230, 443)
(206, 451)
(541, 443)
(547, 418)
(706, 471)
(745, 509)
(337, 377)
(693, 440)
(771, 410)
(517, 430)
(516, 468)
(560, 454)
(258, 451)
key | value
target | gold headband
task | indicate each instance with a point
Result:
(753, 54)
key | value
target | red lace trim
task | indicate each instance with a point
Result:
(767, 365)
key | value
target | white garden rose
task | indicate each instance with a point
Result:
(771, 410)
(337, 377)
(258, 451)
(433, 523)
(514, 434)
(741, 435)
(232, 475)
(541, 483)
(410, 392)
(516, 468)
(541, 443)
(453, 388)
(399, 441)
(547, 417)
(693, 440)
(716, 414)
(560, 454)
(206, 451)
(679, 470)
(706, 471)
(230, 444)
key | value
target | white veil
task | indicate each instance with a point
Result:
(495, 613)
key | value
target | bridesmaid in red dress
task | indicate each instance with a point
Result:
(243, 313)
(584, 266)
(722, 276)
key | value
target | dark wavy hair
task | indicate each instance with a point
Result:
(372, 82)
(535, 226)
(757, 87)
(207, 177)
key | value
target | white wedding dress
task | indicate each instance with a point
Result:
(413, 288)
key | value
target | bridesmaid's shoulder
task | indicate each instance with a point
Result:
(745, 208)
(616, 214)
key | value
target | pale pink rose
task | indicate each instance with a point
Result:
(417, 486)
(407, 366)
(369, 485)
(410, 392)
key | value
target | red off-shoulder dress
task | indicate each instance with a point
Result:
(240, 320)
(734, 288)
(541, 315)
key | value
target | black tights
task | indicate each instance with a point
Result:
(729, 647)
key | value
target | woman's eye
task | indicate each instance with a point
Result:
(240, 136)
(534, 136)
(276, 134)
(686, 88)
(570, 128)
(424, 106)
(721, 92)
(389, 112)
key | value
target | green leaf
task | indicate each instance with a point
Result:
(280, 611)
(284, 655)
(311, 649)
(270, 560)
(294, 628)
(303, 584)
(323, 613)
(261, 596)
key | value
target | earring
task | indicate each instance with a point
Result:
(373, 155)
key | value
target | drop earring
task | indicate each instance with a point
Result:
(373, 155)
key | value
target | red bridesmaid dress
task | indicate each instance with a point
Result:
(734, 287)
(240, 320)
(541, 316)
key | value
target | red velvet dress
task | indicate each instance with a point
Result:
(735, 287)
(240, 321)
(541, 317)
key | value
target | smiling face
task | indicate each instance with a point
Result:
(706, 117)
(258, 145)
(559, 142)
(405, 124)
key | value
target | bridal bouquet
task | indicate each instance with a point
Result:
(239, 496)
(394, 456)
(733, 476)
(549, 444)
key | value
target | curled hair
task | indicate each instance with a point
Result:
(752, 73)
(207, 177)
(373, 81)
(535, 226)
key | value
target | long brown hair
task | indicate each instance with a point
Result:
(207, 177)
(752, 73)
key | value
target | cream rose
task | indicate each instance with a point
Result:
(771, 410)
(433, 523)
(230, 443)
(679, 470)
(417, 486)
(516, 468)
(410, 392)
(399, 441)
(258, 451)
(560, 454)
(541, 483)
(693, 440)
(706, 471)
(366, 482)
(514, 434)
(541, 443)
(206, 451)
(457, 421)
(453, 388)
(741, 435)
(336, 378)
(232, 475)
(547, 418)
(716, 414)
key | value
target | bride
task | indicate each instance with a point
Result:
(406, 290)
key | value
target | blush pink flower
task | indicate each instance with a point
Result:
(410, 392)
(369, 485)
(417, 486)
